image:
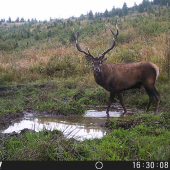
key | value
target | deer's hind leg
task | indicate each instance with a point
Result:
(153, 93)
(157, 97)
(120, 96)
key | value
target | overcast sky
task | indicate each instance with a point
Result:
(44, 9)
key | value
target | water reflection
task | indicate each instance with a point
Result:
(78, 127)
(101, 114)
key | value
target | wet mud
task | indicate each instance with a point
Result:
(7, 120)
(93, 120)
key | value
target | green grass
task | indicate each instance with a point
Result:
(67, 95)
(146, 141)
(44, 146)
(43, 99)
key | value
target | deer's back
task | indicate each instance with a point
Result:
(123, 76)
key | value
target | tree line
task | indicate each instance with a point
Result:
(145, 6)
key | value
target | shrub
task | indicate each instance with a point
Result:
(7, 77)
(61, 68)
(152, 29)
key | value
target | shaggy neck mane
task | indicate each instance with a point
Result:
(101, 77)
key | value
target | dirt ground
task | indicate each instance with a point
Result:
(7, 120)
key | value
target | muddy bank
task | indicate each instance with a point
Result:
(125, 124)
(7, 120)
(11, 118)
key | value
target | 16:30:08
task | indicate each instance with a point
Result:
(150, 165)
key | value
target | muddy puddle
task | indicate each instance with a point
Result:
(77, 127)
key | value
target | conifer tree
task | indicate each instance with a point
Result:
(106, 14)
(90, 15)
(125, 9)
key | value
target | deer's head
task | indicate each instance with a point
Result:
(96, 61)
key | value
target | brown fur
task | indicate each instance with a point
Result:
(118, 77)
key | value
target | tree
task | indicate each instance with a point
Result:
(157, 2)
(161, 2)
(145, 3)
(140, 8)
(125, 9)
(97, 15)
(120, 12)
(82, 17)
(2, 20)
(9, 20)
(90, 15)
(106, 14)
(22, 20)
(149, 8)
(17, 20)
(113, 12)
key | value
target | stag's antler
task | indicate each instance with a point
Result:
(114, 39)
(88, 53)
(77, 44)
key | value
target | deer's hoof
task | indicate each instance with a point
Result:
(124, 112)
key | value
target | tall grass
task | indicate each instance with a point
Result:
(29, 65)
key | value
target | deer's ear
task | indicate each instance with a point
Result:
(104, 59)
(89, 58)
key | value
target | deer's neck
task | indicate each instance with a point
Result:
(102, 77)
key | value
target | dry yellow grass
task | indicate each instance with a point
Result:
(155, 50)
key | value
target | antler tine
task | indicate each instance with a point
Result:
(117, 30)
(74, 36)
(89, 52)
(77, 44)
(115, 35)
(114, 39)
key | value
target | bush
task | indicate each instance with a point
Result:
(61, 68)
(7, 77)
(5, 46)
(128, 56)
(126, 37)
(152, 29)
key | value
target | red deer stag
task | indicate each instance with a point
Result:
(117, 77)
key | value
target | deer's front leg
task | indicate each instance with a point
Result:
(111, 99)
